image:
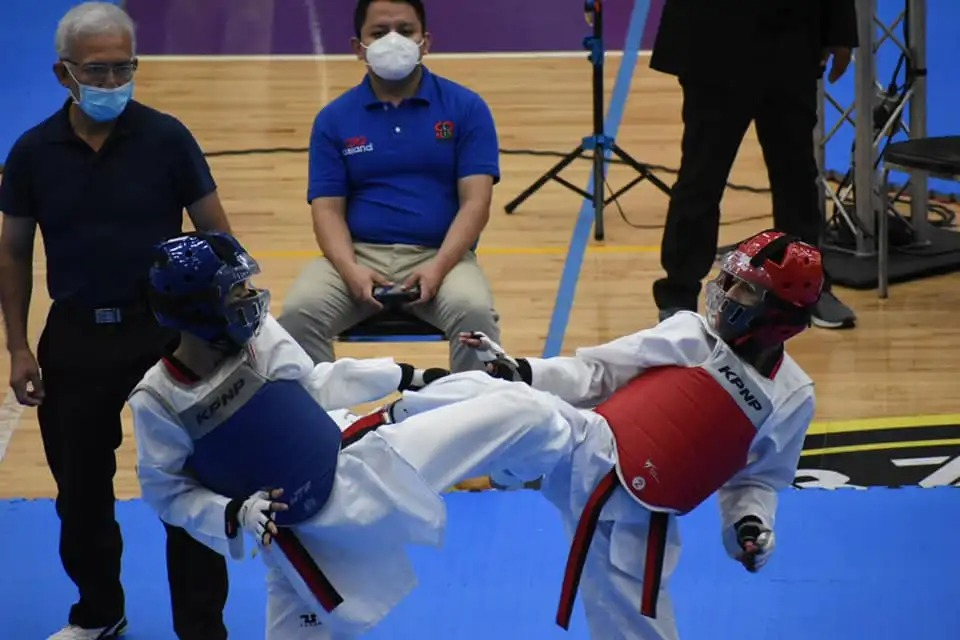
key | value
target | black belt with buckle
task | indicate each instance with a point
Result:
(103, 315)
(107, 315)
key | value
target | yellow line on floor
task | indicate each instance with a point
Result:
(880, 446)
(483, 251)
(880, 423)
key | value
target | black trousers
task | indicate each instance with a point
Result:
(780, 98)
(88, 372)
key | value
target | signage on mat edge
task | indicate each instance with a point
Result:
(893, 456)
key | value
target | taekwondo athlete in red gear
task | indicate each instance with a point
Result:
(663, 419)
(234, 436)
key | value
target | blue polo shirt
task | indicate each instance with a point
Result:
(398, 166)
(101, 213)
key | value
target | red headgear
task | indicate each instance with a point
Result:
(780, 279)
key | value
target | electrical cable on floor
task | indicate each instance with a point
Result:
(832, 176)
(945, 217)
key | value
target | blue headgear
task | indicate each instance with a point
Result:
(191, 283)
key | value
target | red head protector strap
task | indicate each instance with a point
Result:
(765, 291)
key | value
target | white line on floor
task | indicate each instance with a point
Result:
(10, 411)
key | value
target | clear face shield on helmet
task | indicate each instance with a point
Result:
(734, 304)
(243, 306)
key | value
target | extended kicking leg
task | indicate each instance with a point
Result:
(446, 391)
(500, 426)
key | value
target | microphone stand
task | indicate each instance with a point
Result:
(599, 143)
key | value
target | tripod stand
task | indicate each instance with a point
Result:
(599, 143)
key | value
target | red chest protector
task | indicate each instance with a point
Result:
(681, 433)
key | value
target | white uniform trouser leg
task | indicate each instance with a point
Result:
(503, 426)
(510, 427)
(288, 616)
(449, 390)
(611, 587)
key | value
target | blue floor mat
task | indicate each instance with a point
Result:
(849, 565)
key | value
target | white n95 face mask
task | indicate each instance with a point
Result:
(393, 57)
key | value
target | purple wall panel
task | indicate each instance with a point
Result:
(263, 27)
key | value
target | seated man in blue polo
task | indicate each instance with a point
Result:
(402, 168)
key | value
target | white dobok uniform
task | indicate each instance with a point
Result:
(662, 419)
(356, 497)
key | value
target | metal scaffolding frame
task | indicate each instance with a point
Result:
(876, 115)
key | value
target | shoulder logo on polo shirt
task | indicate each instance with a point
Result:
(444, 130)
(355, 145)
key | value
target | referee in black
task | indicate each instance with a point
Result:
(743, 61)
(104, 178)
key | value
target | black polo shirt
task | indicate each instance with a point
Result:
(100, 213)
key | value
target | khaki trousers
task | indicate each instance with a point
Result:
(319, 306)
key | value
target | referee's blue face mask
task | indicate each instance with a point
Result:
(101, 104)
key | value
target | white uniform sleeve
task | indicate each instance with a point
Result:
(594, 373)
(348, 382)
(344, 383)
(163, 448)
(754, 490)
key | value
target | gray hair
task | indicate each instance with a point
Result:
(92, 19)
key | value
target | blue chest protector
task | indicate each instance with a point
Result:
(252, 433)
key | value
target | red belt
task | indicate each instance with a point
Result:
(288, 543)
(586, 527)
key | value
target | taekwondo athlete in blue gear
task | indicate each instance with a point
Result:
(233, 435)
(201, 287)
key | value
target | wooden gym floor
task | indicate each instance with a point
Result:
(899, 362)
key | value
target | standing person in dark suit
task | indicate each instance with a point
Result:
(105, 179)
(743, 61)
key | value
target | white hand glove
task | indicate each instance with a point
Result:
(499, 363)
(257, 514)
(757, 542)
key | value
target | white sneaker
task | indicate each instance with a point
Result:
(73, 632)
